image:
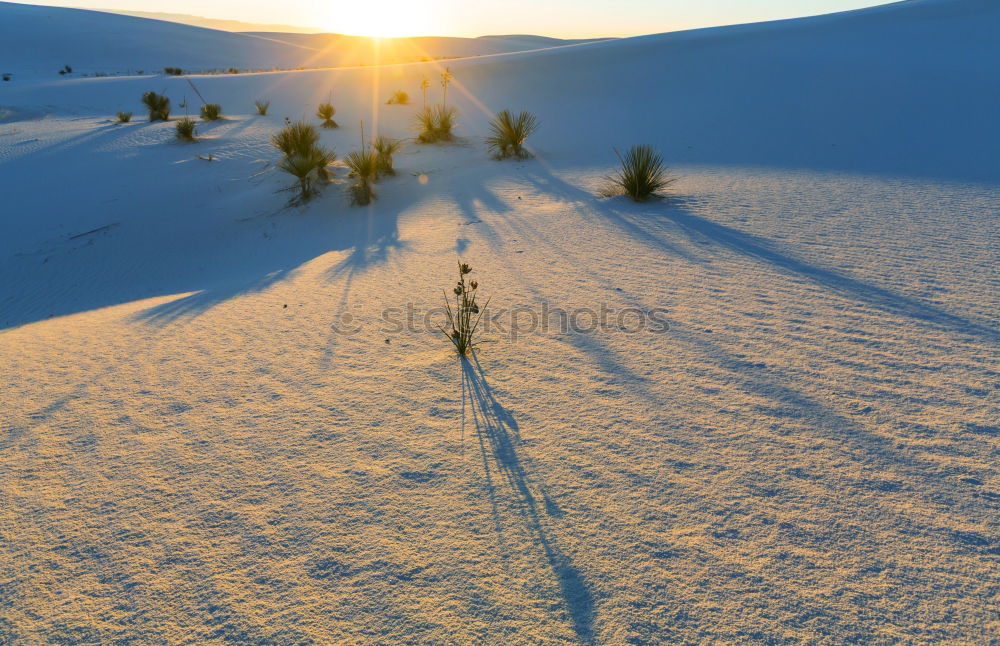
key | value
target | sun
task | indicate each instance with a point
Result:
(380, 18)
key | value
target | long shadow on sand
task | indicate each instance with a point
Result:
(645, 225)
(498, 433)
(369, 238)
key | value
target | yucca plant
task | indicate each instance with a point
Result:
(296, 138)
(158, 106)
(464, 316)
(211, 112)
(185, 129)
(509, 134)
(399, 97)
(124, 117)
(309, 168)
(325, 111)
(364, 167)
(262, 107)
(435, 124)
(642, 175)
(385, 148)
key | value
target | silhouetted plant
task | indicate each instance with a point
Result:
(173, 71)
(423, 89)
(435, 124)
(6, 77)
(158, 106)
(262, 107)
(124, 117)
(642, 175)
(385, 148)
(211, 112)
(309, 167)
(509, 134)
(185, 129)
(464, 316)
(232, 70)
(446, 79)
(296, 138)
(399, 97)
(364, 168)
(325, 111)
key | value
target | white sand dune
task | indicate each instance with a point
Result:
(195, 449)
(37, 41)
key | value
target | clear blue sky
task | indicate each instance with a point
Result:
(562, 18)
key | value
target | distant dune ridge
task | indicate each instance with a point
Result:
(38, 41)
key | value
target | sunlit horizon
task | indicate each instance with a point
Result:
(574, 19)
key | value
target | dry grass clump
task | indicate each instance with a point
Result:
(211, 112)
(435, 124)
(642, 175)
(158, 106)
(304, 158)
(185, 129)
(364, 168)
(385, 148)
(325, 111)
(399, 97)
(509, 133)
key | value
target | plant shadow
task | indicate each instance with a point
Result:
(645, 223)
(498, 436)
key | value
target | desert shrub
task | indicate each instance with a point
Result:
(158, 106)
(464, 316)
(435, 124)
(185, 129)
(262, 107)
(399, 97)
(309, 167)
(296, 138)
(124, 117)
(642, 175)
(509, 134)
(325, 111)
(364, 168)
(6, 77)
(173, 71)
(211, 112)
(385, 148)
(232, 70)
(424, 84)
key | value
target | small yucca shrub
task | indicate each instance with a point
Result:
(435, 124)
(509, 134)
(325, 111)
(158, 106)
(309, 168)
(464, 316)
(173, 71)
(211, 112)
(262, 107)
(124, 117)
(296, 138)
(364, 168)
(185, 129)
(642, 175)
(399, 97)
(385, 148)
